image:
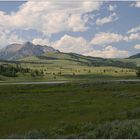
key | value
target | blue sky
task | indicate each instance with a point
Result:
(10, 6)
(105, 29)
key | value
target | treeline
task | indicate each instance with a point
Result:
(106, 62)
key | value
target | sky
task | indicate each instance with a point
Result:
(92, 28)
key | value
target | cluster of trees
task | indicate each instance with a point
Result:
(36, 72)
(7, 70)
(11, 70)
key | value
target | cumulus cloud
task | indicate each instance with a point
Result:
(80, 45)
(137, 46)
(112, 8)
(134, 30)
(50, 16)
(7, 37)
(71, 44)
(101, 21)
(40, 41)
(136, 4)
(76, 23)
(132, 37)
(106, 38)
(109, 52)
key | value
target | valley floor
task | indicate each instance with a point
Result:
(89, 108)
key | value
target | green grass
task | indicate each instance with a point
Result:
(45, 108)
(69, 71)
(134, 60)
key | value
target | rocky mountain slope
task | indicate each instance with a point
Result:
(18, 51)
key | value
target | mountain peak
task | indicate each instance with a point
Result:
(28, 43)
(17, 51)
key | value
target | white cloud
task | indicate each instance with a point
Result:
(109, 52)
(50, 16)
(106, 38)
(137, 46)
(40, 41)
(132, 37)
(71, 44)
(80, 45)
(7, 37)
(112, 8)
(101, 21)
(136, 4)
(134, 30)
(76, 23)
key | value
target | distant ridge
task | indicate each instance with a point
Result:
(135, 56)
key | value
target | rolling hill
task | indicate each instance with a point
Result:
(135, 56)
(76, 59)
(135, 59)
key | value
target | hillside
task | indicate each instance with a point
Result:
(135, 61)
(60, 58)
(135, 56)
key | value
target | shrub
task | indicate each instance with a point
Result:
(128, 129)
(133, 114)
(33, 134)
(138, 73)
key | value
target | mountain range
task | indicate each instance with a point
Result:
(30, 52)
(18, 51)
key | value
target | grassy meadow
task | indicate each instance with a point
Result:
(72, 110)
